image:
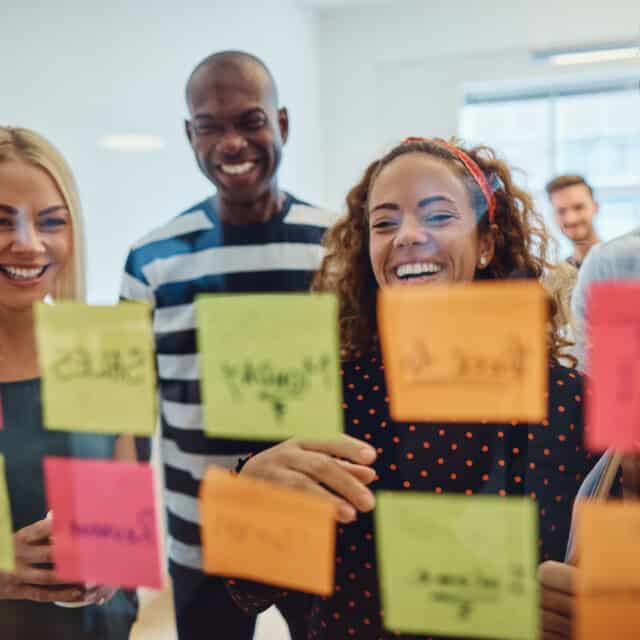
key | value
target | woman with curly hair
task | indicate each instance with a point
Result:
(429, 212)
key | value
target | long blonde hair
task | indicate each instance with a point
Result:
(28, 146)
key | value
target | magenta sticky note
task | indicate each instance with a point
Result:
(613, 366)
(104, 522)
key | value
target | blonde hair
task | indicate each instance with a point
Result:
(30, 147)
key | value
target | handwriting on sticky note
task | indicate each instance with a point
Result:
(104, 521)
(97, 367)
(608, 584)
(465, 352)
(269, 365)
(613, 366)
(258, 531)
(455, 565)
(7, 561)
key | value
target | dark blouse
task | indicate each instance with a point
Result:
(545, 461)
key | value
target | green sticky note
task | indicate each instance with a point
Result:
(7, 562)
(456, 565)
(269, 365)
(98, 368)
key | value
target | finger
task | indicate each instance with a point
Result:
(557, 601)
(327, 471)
(345, 512)
(345, 447)
(551, 635)
(557, 576)
(35, 553)
(41, 577)
(38, 594)
(554, 623)
(36, 532)
(366, 475)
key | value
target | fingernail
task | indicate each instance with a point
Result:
(100, 602)
(367, 454)
(77, 594)
(346, 513)
(366, 501)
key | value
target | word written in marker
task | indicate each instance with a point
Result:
(421, 365)
(143, 534)
(274, 385)
(127, 366)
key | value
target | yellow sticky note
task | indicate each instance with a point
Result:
(608, 587)
(270, 366)
(458, 565)
(465, 352)
(98, 367)
(258, 531)
(7, 562)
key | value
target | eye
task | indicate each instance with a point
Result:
(6, 223)
(383, 224)
(206, 128)
(53, 223)
(254, 122)
(438, 218)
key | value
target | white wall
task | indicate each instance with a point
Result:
(399, 69)
(79, 69)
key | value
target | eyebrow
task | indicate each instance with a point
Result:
(244, 114)
(12, 211)
(422, 203)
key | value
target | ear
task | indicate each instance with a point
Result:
(596, 207)
(283, 124)
(486, 250)
(188, 131)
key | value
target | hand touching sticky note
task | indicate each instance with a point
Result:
(459, 566)
(257, 531)
(269, 365)
(608, 540)
(7, 562)
(104, 522)
(465, 352)
(98, 371)
(613, 359)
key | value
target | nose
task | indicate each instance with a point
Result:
(411, 232)
(27, 239)
(232, 143)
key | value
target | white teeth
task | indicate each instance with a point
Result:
(19, 273)
(238, 169)
(417, 269)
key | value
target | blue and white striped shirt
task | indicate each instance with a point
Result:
(197, 253)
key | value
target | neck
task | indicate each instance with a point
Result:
(580, 249)
(18, 352)
(255, 212)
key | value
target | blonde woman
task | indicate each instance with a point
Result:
(41, 254)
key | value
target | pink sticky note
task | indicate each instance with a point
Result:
(613, 359)
(104, 522)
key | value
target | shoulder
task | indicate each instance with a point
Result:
(303, 213)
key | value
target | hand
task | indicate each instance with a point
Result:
(98, 594)
(29, 582)
(557, 598)
(312, 466)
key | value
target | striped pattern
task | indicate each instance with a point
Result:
(196, 253)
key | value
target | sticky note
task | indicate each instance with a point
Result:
(258, 531)
(98, 367)
(269, 366)
(104, 522)
(7, 562)
(465, 352)
(608, 580)
(613, 366)
(458, 565)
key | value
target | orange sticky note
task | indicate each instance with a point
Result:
(258, 531)
(613, 381)
(465, 352)
(608, 587)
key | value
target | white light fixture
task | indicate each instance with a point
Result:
(131, 142)
(587, 55)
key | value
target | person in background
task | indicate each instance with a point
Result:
(574, 208)
(42, 254)
(251, 236)
(428, 213)
(617, 259)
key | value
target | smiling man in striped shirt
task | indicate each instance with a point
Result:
(249, 237)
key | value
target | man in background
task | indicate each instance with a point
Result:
(574, 208)
(250, 236)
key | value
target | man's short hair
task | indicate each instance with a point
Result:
(562, 182)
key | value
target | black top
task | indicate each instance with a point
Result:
(545, 461)
(23, 443)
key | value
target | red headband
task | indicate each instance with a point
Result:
(472, 168)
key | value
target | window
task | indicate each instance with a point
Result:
(590, 129)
